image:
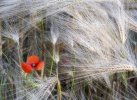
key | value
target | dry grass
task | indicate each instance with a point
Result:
(89, 47)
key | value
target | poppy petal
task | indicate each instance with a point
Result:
(33, 59)
(40, 65)
(26, 68)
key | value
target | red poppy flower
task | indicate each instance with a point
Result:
(33, 63)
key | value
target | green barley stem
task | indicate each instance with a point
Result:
(42, 36)
(52, 62)
(73, 75)
(58, 85)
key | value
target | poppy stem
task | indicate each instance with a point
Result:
(25, 75)
(37, 75)
(42, 73)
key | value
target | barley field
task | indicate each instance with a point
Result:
(68, 50)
